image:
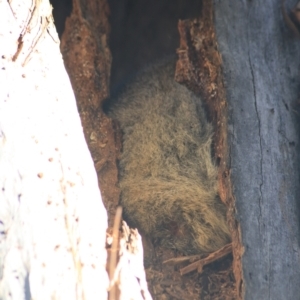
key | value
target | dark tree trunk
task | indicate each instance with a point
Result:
(261, 72)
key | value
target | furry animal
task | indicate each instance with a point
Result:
(168, 179)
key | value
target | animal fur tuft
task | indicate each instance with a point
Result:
(168, 180)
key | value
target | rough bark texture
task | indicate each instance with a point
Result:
(200, 68)
(52, 219)
(261, 70)
(87, 59)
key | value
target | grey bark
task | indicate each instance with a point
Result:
(261, 71)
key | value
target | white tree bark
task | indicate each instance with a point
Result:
(52, 220)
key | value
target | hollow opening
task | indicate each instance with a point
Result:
(61, 10)
(142, 33)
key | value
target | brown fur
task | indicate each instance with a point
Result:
(167, 176)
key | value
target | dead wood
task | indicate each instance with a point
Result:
(198, 265)
(127, 278)
(87, 58)
(200, 68)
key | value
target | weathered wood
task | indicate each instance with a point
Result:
(261, 70)
(85, 41)
(200, 68)
(198, 265)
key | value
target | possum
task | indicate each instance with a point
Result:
(167, 176)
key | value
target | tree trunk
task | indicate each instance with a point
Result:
(52, 220)
(261, 73)
(52, 217)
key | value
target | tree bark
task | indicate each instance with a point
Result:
(52, 217)
(261, 72)
(52, 220)
(85, 41)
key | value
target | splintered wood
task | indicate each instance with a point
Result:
(198, 261)
(127, 277)
(198, 265)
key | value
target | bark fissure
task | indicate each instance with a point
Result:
(260, 200)
(261, 67)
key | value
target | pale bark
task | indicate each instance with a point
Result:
(52, 218)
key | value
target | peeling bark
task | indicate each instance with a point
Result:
(200, 68)
(88, 61)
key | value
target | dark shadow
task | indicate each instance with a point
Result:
(61, 10)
